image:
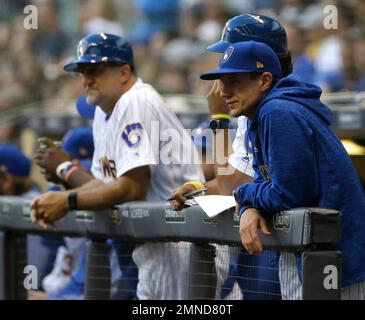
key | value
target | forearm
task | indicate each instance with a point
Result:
(101, 197)
(261, 197)
(132, 186)
(212, 186)
(81, 178)
(91, 184)
(270, 199)
(225, 184)
(228, 183)
(223, 149)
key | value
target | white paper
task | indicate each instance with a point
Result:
(213, 205)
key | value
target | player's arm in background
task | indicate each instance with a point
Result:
(48, 156)
(227, 177)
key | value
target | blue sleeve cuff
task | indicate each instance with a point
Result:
(242, 210)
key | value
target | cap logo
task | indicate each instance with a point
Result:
(81, 48)
(259, 65)
(227, 54)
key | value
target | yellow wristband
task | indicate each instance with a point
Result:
(221, 116)
(196, 184)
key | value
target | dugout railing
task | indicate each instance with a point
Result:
(311, 231)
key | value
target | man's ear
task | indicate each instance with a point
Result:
(266, 81)
(125, 73)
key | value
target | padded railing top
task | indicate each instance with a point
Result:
(292, 230)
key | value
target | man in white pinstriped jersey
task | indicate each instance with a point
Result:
(126, 163)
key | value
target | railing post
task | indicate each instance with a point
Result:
(13, 257)
(2, 265)
(98, 274)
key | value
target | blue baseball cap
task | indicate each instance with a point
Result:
(85, 109)
(243, 57)
(101, 48)
(79, 143)
(13, 161)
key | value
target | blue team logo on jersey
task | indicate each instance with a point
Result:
(227, 54)
(132, 134)
(247, 147)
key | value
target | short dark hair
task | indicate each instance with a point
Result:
(286, 64)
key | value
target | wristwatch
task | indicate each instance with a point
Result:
(219, 123)
(72, 201)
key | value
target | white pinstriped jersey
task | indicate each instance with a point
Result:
(242, 157)
(139, 133)
(131, 136)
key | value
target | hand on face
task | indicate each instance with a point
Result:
(216, 103)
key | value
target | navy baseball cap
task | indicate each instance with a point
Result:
(85, 109)
(13, 161)
(101, 48)
(79, 143)
(243, 57)
(255, 27)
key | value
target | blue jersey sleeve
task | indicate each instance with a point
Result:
(291, 177)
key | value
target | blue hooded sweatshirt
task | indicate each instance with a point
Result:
(299, 162)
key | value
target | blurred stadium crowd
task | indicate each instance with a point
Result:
(169, 38)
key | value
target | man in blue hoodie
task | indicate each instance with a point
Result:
(298, 160)
(257, 275)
